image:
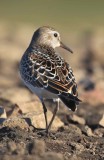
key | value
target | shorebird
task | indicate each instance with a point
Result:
(46, 73)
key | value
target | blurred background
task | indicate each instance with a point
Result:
(81, 25)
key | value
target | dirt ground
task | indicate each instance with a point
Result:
(74, 136)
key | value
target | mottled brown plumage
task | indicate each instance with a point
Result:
(45, 72)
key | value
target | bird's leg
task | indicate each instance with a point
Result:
(54, 114)
(45, 113)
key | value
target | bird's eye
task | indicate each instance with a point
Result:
(55, 34)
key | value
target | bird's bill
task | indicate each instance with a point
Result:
(65, 47)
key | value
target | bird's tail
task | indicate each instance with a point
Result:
(71, 103)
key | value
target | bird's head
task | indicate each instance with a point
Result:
(48, 36)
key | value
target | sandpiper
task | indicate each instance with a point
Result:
(46, 73)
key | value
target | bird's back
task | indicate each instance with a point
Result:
(43, 69)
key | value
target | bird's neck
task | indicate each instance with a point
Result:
(42, 48)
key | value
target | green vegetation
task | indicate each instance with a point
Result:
(75, 14)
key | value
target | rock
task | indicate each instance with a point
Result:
(10, 109)
(38, 120)
(101, 122)
(15, 111)
(2, 112)
(99, 132)
(17, 94)
(94, 119)
(34, 113)
(3, 115)
(76, 119)
(86, 130)
(33, 107)
(15, 122)
(6, 104)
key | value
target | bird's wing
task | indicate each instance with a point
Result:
(51, 73)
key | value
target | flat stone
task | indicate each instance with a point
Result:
(30, 107)
(38, 120)
(34, 113)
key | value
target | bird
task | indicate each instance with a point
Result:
(46, 73)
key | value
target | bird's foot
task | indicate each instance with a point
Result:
(46, 133)
(43, 133)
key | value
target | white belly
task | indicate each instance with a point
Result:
(41, 92)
